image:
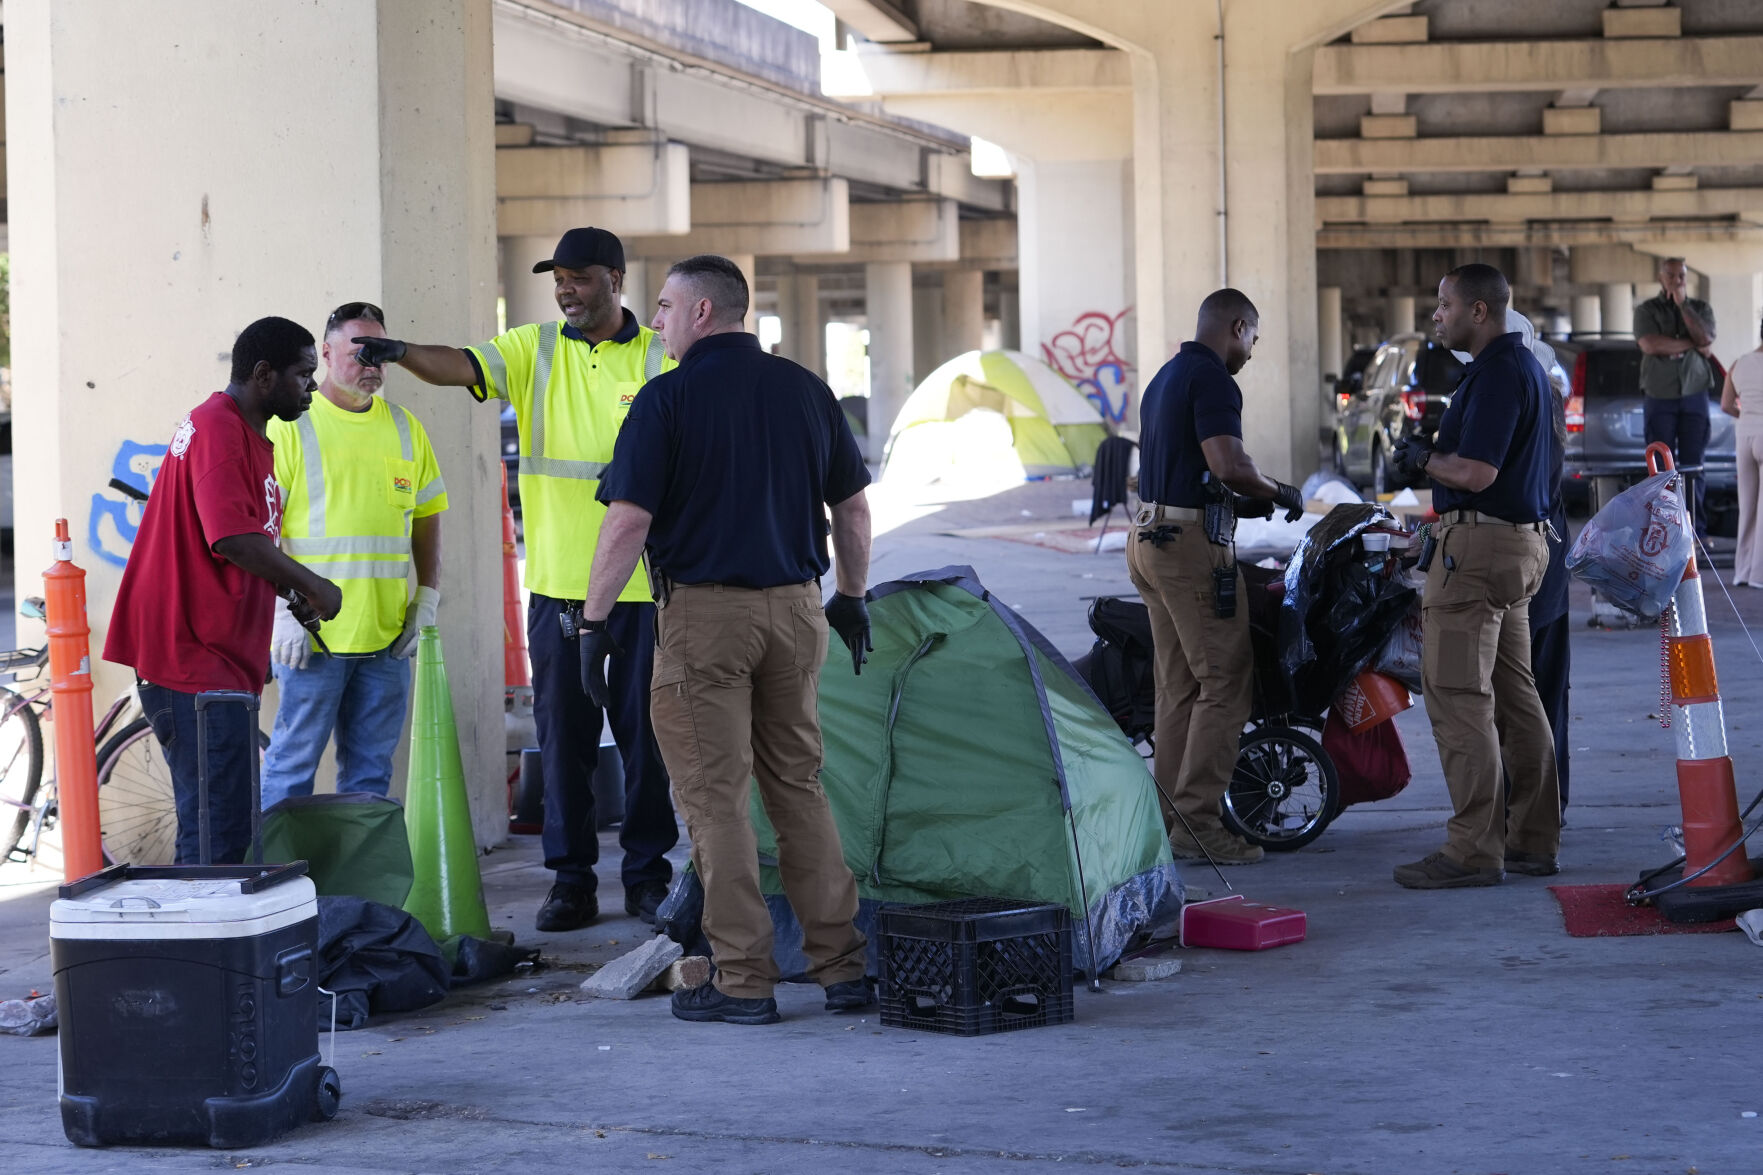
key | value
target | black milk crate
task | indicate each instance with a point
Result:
(975, 966)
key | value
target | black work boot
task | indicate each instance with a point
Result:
(708, 1004)
(850, 995)
(644, 898)
(567, 907)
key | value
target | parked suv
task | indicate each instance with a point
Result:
(1406, 390)
(1606, 429)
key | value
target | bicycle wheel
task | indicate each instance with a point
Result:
(21, 767)
(1284, 791)
(137, 808)
(137, 811)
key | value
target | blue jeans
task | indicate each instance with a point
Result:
(232, 740)
(361, 698)
(569, 747)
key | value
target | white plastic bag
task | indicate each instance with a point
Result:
(1635, 549)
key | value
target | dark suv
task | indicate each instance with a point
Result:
(1406, 390)
(1606, 428)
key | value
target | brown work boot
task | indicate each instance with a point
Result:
(1224, 847)
(1441, 872)
(1531, 864)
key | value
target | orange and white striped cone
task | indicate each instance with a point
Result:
(1705, 784)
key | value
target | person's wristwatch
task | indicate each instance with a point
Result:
(1425, 460)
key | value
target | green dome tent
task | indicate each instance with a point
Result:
(1053, 429)
(970, 760)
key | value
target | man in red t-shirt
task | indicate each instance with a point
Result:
(198, 596)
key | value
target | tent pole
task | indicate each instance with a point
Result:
(1083, 889)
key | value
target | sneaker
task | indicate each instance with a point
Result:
(850, 995)
(1440, 872)
(644, 899)
(567, 907)
(1225, 847)
(707, 1004)
(1531, 864)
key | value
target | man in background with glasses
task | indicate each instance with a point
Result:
(364, 500)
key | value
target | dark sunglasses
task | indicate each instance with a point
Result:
(350, 311)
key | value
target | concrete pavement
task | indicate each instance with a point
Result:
(1412, 1033)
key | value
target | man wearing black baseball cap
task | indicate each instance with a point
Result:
(571, 383)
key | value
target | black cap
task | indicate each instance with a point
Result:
(581, 247)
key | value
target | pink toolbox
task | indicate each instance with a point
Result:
(1237, 924)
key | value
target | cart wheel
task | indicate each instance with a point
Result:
(330, 1094)
(1284, 790)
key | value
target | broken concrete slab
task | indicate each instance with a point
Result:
(629, 975)
(1143, 969)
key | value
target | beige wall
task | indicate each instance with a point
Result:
(199, 165)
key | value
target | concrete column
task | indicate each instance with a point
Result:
(642, 282)
(964, 311)
(1736, 299)
(888, 295)
(527, 296)
(1616, 308)
(928, 348)
(381, 188)
(1077, 276)
(1329, 328)
(745, 262)
(1398, 314)
(1588, 314)
(798, 305)
(1010, 317)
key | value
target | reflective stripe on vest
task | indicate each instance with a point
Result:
(317, 546)
(536, 462)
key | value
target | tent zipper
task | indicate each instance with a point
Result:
(887, 780)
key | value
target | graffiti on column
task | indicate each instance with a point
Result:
(115, 520)
(1088, 353)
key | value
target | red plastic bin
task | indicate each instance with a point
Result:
(1237, 924)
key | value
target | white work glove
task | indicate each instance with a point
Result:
(288, 642)
(418, 615)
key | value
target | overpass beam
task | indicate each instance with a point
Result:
(630, 187)
(769, 217)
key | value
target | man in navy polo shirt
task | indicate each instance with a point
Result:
(1192, 424)
(727, 469)
(1491, 470)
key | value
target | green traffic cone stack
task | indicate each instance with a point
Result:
(447, 895)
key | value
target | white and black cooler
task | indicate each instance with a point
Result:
(188, 998)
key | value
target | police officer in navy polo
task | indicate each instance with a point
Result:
(1192, 430)
(732, 470)
(1491, 468)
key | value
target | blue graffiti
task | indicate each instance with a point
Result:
(116, 521)
(1107, 391)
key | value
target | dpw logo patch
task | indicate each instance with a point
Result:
(400, 485)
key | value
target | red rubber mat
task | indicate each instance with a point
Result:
(1600, 911)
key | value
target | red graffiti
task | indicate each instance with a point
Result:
(1088, 353)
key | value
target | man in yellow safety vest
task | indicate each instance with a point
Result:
(364, 497)
(571, 384)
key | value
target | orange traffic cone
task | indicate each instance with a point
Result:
(447, 895)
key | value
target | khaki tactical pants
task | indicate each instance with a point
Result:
(1481, 696)
(734, 698)
(1204, 670)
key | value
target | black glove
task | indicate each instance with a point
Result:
(849, 617)
(379, 352)
(1408, 456)
(1289, 497)
(596, 644)
(1246, 507)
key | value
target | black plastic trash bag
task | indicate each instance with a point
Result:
(377, 959)
(1338, 612)
(1634, 551)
